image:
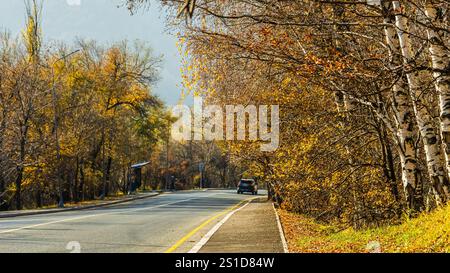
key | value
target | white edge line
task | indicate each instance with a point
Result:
(93, 215)
(211, 232)
(280, 228)
(90, 216)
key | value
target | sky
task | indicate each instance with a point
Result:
(106, 21)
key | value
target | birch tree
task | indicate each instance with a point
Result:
(440, 57)
(403, 112)
(429, 132)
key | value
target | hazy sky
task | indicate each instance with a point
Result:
(106, 21)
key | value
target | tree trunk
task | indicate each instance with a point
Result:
(388, 161)
(404, 115)
(440, 58)
(391, 169)
(20, 166)
(2, 184)
(107, 178)
(39, 197)
(75, 181)
(81, 185)
(2, 154)
(18, 194)
(428, 131)
(125, 180)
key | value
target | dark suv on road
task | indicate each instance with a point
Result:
(247, 185)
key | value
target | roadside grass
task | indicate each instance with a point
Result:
(426, 233)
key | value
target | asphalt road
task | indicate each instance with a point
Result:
(150, 225)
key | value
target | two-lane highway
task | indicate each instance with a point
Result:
(172, 222)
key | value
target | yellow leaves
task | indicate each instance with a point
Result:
(427, 233)
(286, 82)
(32, 34)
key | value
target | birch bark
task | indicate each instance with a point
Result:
(428, 131)
(403, 114)
(440, 58)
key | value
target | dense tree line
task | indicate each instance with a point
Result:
(176, 166)
(73, 118)
(363, 88)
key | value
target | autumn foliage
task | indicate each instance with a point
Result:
(363, 91)
(73, 118)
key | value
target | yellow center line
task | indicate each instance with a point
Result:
(202, 225)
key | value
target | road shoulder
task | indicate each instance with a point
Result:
(253, 229)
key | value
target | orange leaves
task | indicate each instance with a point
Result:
(266, 31)
(317, 65)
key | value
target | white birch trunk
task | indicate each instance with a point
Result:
(404, 116)
(440, 58)
(427, 130)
